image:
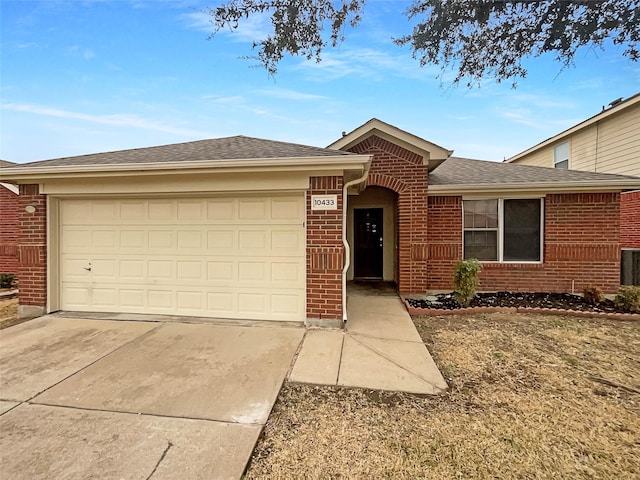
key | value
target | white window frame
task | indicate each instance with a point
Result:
(500, 253)
(557, 161)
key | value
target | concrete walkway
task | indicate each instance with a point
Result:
(380, 349)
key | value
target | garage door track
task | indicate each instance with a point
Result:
(108, 399)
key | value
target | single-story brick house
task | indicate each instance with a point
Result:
(248, 228)
(8, 224)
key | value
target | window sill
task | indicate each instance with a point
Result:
(491, 264)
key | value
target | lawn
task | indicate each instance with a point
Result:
(530, 397)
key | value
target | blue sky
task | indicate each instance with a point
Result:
(88, 76)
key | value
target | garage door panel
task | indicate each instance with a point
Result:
(232, 257)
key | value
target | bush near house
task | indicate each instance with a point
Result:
(628, 298)
(466, 280)
(7, 280)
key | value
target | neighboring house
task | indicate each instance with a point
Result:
(248, 228)
(608, 142)
(8, 224)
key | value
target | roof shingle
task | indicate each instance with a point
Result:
(465, 171)
(227, 148)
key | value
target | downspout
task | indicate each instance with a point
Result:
(347, 248)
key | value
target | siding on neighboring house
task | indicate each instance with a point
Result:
(9, 230)
(579, 250)
(608, 145)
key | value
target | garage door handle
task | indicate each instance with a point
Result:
(88, 269)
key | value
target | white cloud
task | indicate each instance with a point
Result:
(253, 29)
(117, 120)
(365, 63)
(288, 94)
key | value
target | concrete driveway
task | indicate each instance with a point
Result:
(83, 398)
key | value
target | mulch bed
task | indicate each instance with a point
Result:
(563, 301)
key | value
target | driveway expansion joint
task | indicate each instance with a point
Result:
(145, 414)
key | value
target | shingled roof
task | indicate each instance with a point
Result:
(465, 171)
(227, 148)
(6, 163)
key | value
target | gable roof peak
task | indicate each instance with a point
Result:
(431, 153)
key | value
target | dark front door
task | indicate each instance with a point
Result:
(367, 242)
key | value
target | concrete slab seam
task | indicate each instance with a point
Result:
(366, 335)
(340, 358)
(96, 361)
(294, 359)
(402, 367)
(16, 405)
(141, 414)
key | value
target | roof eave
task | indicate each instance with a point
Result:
(341, 162)
(542, 187)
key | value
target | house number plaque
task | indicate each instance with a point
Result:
(324, 202)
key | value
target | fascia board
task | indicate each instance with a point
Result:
(339, 162)
(546, 187)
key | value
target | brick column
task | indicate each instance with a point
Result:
(32, 251)
(8, 231)
(325, 255)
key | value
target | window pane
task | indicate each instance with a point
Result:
(522, 230)
(563, 165)
(561, 154)
(482, 245)
(481, 213)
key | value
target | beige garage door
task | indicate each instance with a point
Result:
(228, 257)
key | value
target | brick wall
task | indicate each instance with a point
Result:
(630, 219)
(325, 253)
(402, 171)
(581, 244)
(445, 240)
(8, 231)
(32, 245)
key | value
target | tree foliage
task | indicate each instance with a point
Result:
(477, 39)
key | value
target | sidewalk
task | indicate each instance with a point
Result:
(379, 349)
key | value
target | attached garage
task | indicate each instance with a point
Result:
(220, 256)
(219, 228)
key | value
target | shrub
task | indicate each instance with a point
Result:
(592, 295)
(6, 280)
(466, 280)
(628, 298)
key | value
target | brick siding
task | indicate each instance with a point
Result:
(630, 219)
(581, 245)
(402, 171)
(32, 244)
(325, 252)
(9, 231)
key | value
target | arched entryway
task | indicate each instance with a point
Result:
(372, 233)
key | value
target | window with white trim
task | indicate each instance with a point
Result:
(561, 156)
(503, 229)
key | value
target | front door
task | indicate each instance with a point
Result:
(368, 242)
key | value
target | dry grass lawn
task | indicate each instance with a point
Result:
(8, 312)
(530, 397)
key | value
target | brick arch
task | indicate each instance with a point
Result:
(386, 181)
